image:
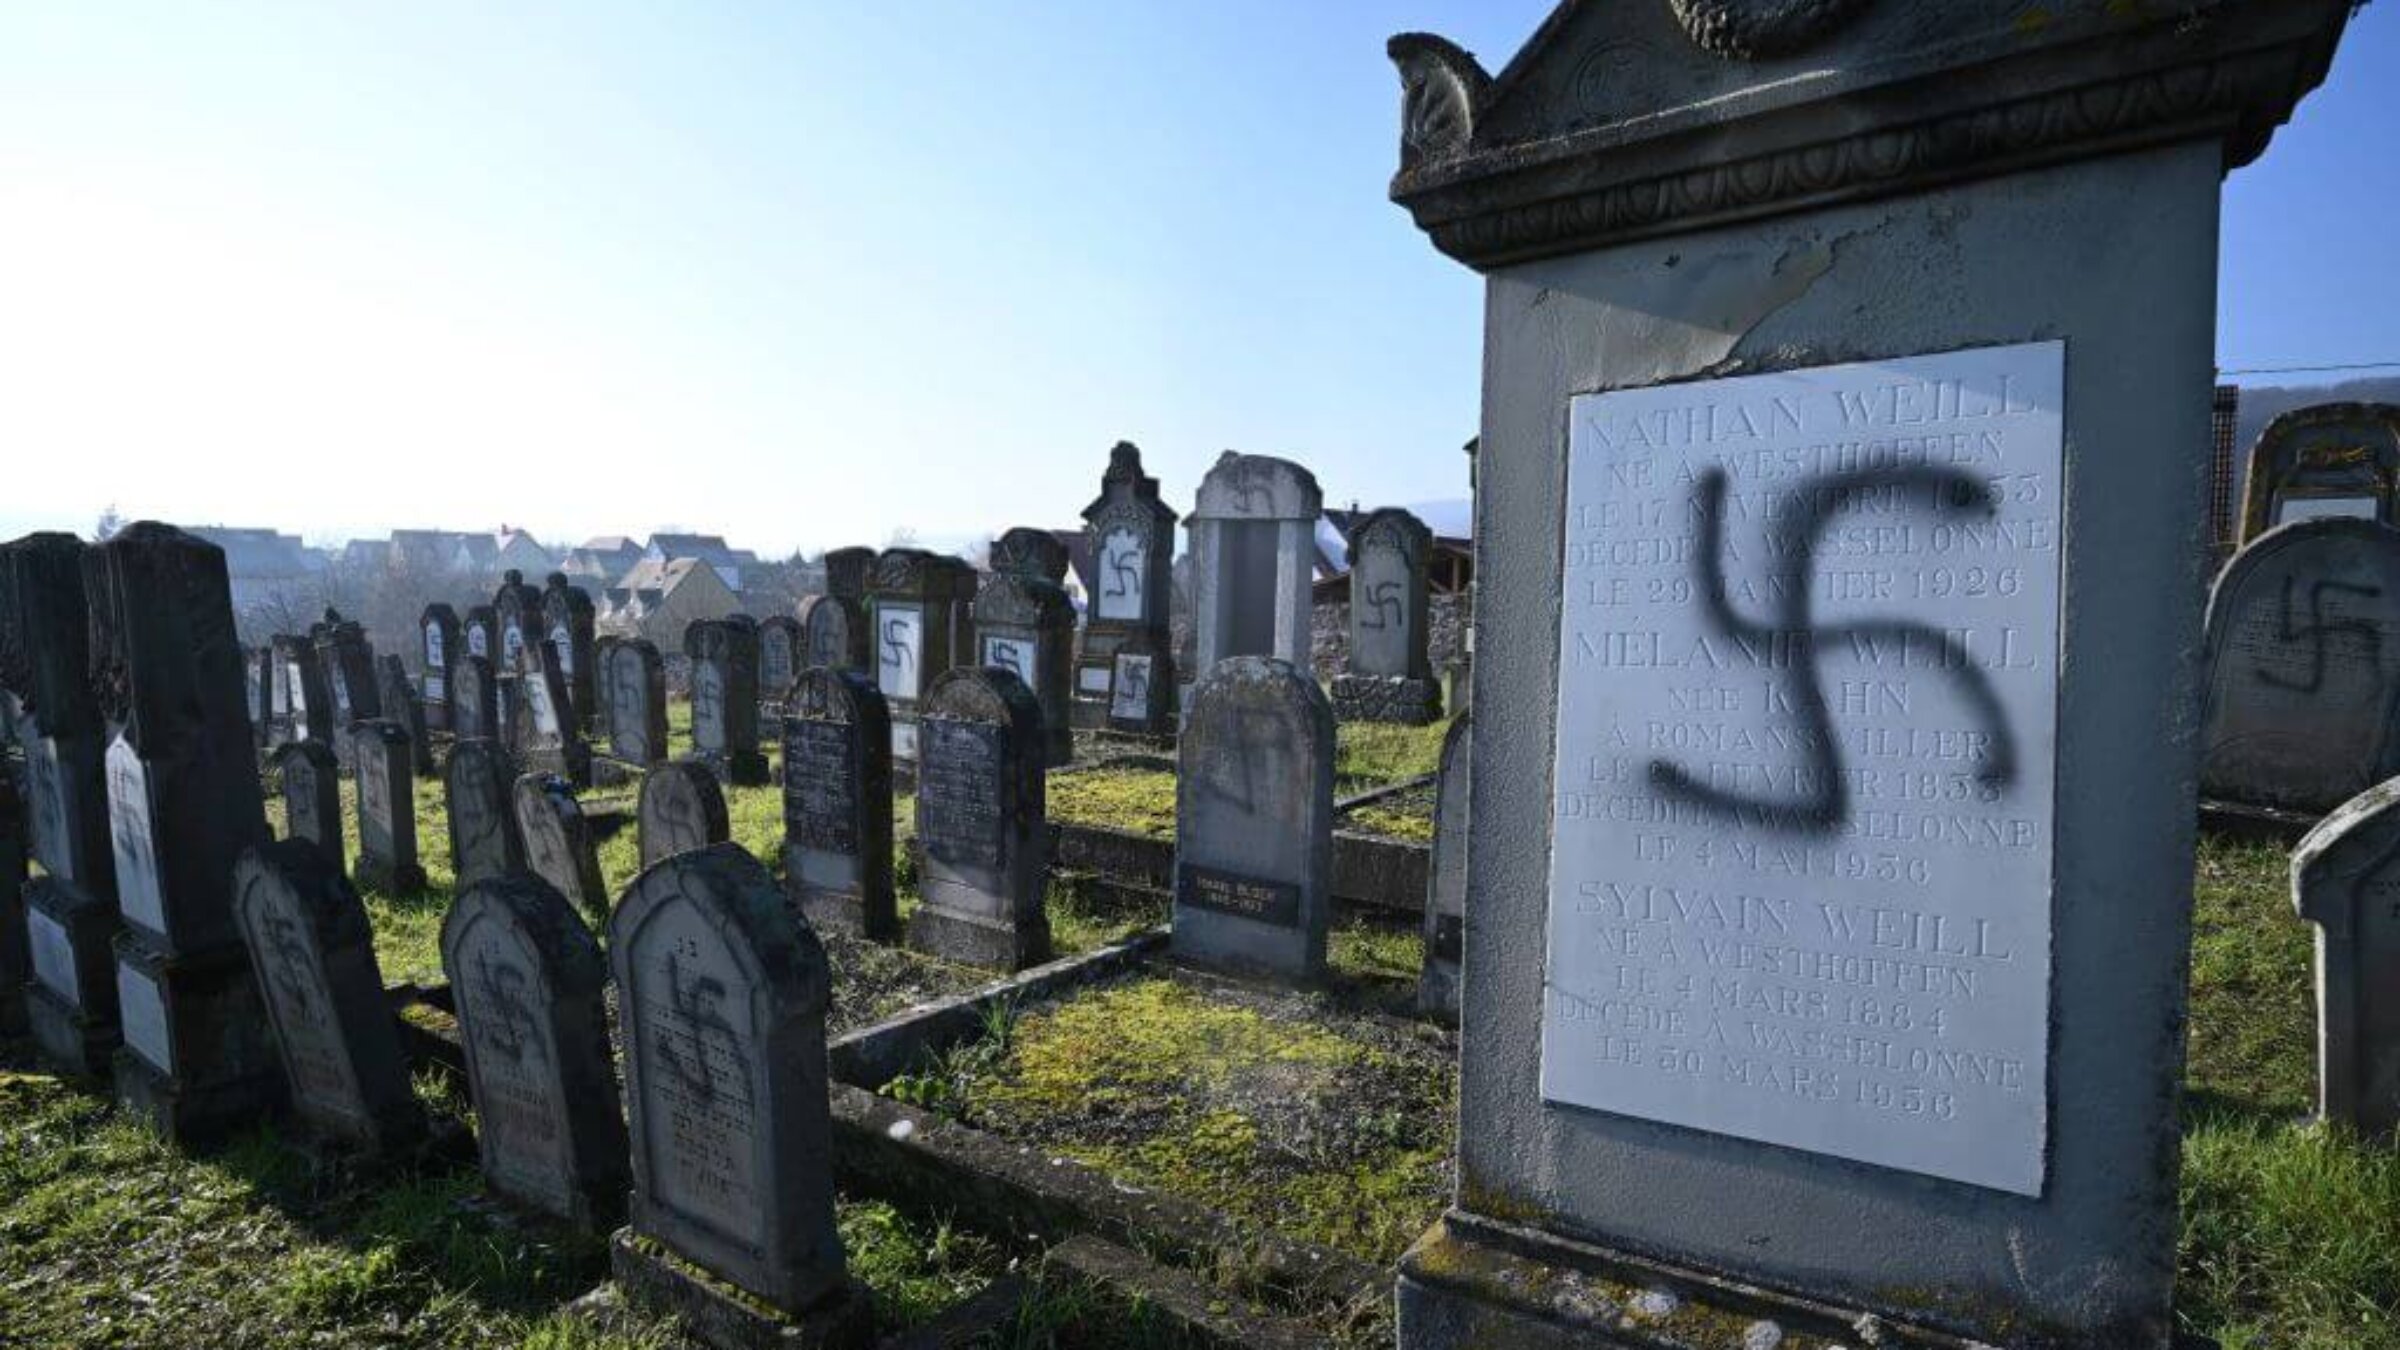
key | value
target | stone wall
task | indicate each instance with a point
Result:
(1329, 636)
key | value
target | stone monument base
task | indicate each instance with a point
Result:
(225, 1074)
(747, 769)
(1470, 1282)
(723, 1317)
(973, 942)
(1380, 698)
(837, 912)
(76, 1045)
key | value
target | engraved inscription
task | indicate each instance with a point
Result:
(699, 1087)
(820, 785)
(518, 1095)
(961, 803)
(1271, 902)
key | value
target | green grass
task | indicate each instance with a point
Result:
(1368, 754)
(1140, 801)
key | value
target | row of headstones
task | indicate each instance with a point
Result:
(561, 621)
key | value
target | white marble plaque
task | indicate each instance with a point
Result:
(1014, 655)
(1801, 885)
(904, 741)
(899, 650)
(562, 642)
(53, 957)
(434, 658)
(1092, 679)
(143, 1012)
(140, 895)
(479, 642)
(1123, 566)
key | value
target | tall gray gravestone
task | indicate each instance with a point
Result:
(1130, 534)
(837, 804)
(474, 700)
(550, 735)
(2328, 460)
(387, 808)
(314, 956)
(1805, 666)
(2346, 882)
(1254, 558)
(437, 635)
(722, 994)
(1254, 821)
(1025, 625)
(482, 635)
(559, 847)
(517, 619)
(309, 697)
(982, 814)
(1024, 551)
(279, 696)
(2302, 702)
(312, 797)
(724, 656)
(1390, 675)
(402, 705)
(568, 634)
(349, 662)
(833, 632)
(483, 821)
(604, 687)
(258, 692)
(637, 703)
(682, 808)
(1446, 880)
(184, 799)
(779, 651)
(531, 985)
(71, 909)
(917, 612)
(848, 573)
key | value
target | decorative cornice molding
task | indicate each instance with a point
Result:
(1754, 30)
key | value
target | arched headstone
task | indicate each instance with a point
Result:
(724, 656)
(475, 700)
(1129, 535)
(1026, 626)
(833, 632)
(779, 657)
(558, 842)
(567, 628)
(1254, 556)
(637, 711)
(981, 816)
(2346, 881)
(837, 804)
(483, 822)
(682, 809)
(312, 797)
(1254, 821)
(1390, 674)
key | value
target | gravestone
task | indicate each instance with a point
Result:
(549, 734)
(387, 808)
(721, 1004)
(483, 635)
(71, 1003)
(1141, 686)
(724, 656)
(2329, 460)
(1793, 701)
(312, 797)
(279, 696)
(604, 688)
(837, 804)
(349, 664)
(484, 841)
(474, 700)
(258, 689)
(401, 705)
(779, 651)
(848, 573)
(559, 847)
(2301, 708)
(314, 957)
(1254, 557)
(1390, 675)
(2346, 882)
(982, 820)
(1254, 821)
(567, 626)
(1026, 626)
(918, 608)
(833, 632)
(517, 612)
(1130, 533)
(437, 630)
(184, 799)
(1446, 879)
(16, 961)
(637, 715)
(310, 698)
(1024, 551)
(530, 984)
(682, 809)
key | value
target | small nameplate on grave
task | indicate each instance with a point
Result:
(139, 893)
(822, 796)
(1131, 700)
(142, 1012)
(1092, 679)
(963, 819)
(1800, 889)
(53, 956)
(1269, 902)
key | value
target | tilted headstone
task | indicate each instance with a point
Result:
(387, 808)
(1254, 821)
(833, 632)
(982, 813)
(314, 957)
(722, 994)
(305, 687)
(1027, 552)
(2303, 657)
(1130, 533)
(559, 847)
(724, 656)
(482, 634)
(517, 618)
(530, 985)
(837, 804)
(483, 821)
(567, 626)
(682, 808)
(1026, 626)
(637, 713)
(439, 648)
(1390, 675)
(1141, 686)
(2346, 882)
(848, 573)
(474, 700)
(549, 734)
(312, 797)
(779, 651)
(2329, 460)
(1446, 880)
(402, 705)
(1254, 558)
(349, 664)
(918, 612)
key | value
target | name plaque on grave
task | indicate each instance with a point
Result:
(1122, 565)
(53, 956)
(1014, 655)
(963, 819)
(899, 650)
(822, 799)
(1801, 884)
(1131, 700)
(1271, 902)
(139, 894)
(142, 1014)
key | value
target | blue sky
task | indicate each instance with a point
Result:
(807, 273)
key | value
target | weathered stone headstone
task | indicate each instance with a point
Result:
(474, 700)
(279, 695)
(1024, 551)
(71, 1004)
(1446, 881)
(604, 687)
(1141, 692)
(483, 635)
(982, 815)
(637, 711)
(387, 808)
(530, 984)
(438, 635)
(1026, 626)
(722, 994)
(483, 821)
(682, 808)
(258, 691)
(724, 656)
(567, 626)
(312, 797)
(2330, 460)
(1802, 666)
(314, 957)
(848, 574)
(2346, 882)
(2303, 655)
(16, 962)
(1254, 557)
(349, 665)
(559, 847)
(1131, 535)
(401, 705)
(918, 607)
(1254, 821)
(833, 632)
(517, 612)
(837, 804)
(1390, 675)
(310, 699)
(549, 735)
(779, 651)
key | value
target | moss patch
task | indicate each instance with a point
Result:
(1139, 801)
(1368, 754)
